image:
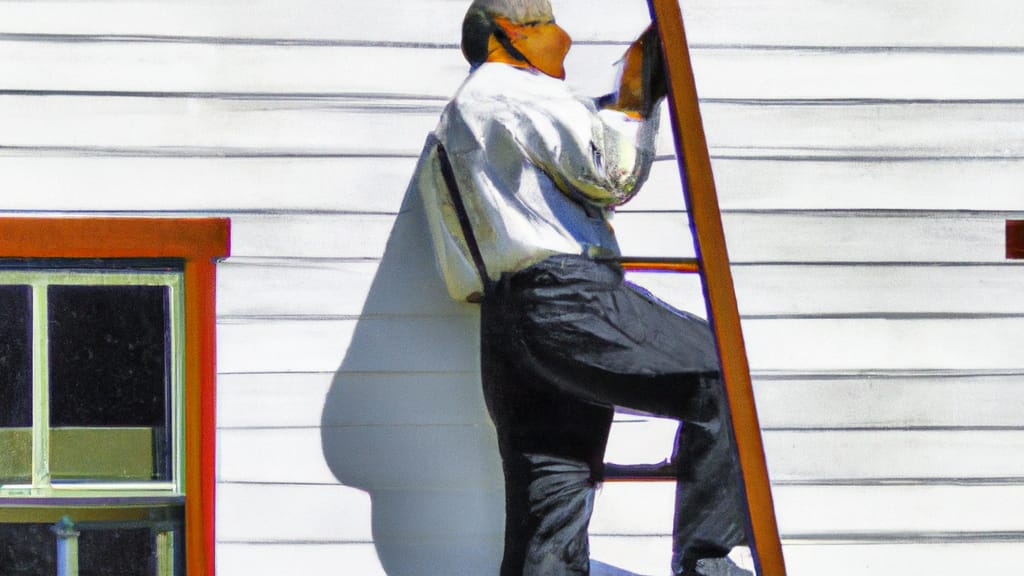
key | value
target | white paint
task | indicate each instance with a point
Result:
(292, 513)
(311, 513)
(218, 184)
(296, 455)
(880, 401)
(330, 314)
(350, 125)
(245, 559)
(721, 72)
(282, 400)
(901, 559)
(785, 22)
(315, 289)
(752, 238)
(788, 344)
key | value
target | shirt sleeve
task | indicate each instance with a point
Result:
(599, 156)
(450, 250)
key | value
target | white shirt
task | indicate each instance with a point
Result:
(538, 169)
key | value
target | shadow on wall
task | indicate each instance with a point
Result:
(405, 420)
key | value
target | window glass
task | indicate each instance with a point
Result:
(15, 384)
(121, 552)
(28, 550)
(109, 382)
(94, 386)
(31, 550)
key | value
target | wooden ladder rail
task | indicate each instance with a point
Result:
(1014, 239)
(712, 263)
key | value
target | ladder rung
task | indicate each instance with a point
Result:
(657, 264)
(639, 472)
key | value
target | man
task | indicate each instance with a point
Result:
(518, 186)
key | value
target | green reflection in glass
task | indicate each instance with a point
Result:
(15, 455)
(103, 454)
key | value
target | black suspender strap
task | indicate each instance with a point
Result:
(460, 211)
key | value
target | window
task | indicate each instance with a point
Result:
(106, 395)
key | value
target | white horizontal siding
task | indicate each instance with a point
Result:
(369, 344)
(808, 513)
(906, 559)
(407, 525)
(882, 290)
(295, 456)
(810, 344)
(304, 517)
(647, 555)
(139, 65)
(310, 513)
(281, 288)
(866, 153)
(280, 400)
(753, 237)
(929, 400)
(314, 184)
(980, 23)
(343, 127)
(244, 559)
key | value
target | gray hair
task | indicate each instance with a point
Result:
(518, 11)
(479, 24)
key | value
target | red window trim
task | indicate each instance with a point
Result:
(1015, 239)
(199, 242)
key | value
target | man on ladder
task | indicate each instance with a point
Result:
(518, 181)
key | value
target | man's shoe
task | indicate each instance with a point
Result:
(718, 567)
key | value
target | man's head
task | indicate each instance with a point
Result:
(519, 32)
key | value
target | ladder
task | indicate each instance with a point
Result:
(1015, 239)
(712, 264)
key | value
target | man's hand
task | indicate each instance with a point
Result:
(642, 82)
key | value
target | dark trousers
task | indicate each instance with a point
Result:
(564, 341)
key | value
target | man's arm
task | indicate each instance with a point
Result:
(621, 146)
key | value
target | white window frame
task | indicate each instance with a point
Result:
(39, 279)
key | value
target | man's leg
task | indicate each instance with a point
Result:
(552, 448)
(587, 334)
(711, 515)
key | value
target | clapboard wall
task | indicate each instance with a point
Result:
(866, 153)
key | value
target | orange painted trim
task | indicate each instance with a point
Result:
(683, 267)
(1015, 239)
(199, 242)
(191, 239)
(200, 417)
(709, 237)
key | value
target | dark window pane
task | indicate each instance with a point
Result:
(108, 355)
(116, 552)
(31, 550)
(109, 383)
(15, 356)
(15, 384)
(27, 550)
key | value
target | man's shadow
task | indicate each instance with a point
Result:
(405, 419)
